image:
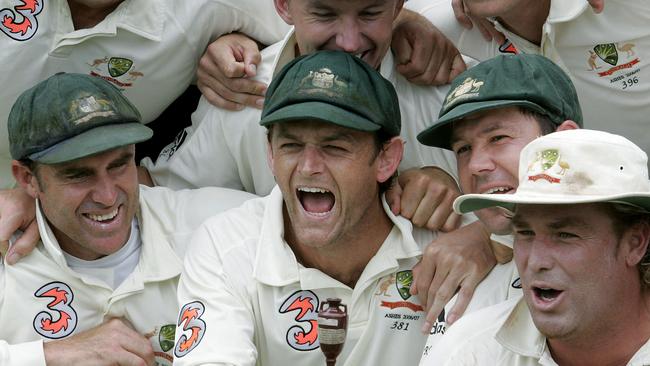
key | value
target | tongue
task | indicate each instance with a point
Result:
(548, 294)
(317, 202)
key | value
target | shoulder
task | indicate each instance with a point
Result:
(472, 337)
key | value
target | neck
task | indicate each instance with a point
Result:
(347, 257)
(84, 17)
(613, 344)
(528, 20)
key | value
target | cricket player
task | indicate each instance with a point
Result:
(254, 277)
(100, 287)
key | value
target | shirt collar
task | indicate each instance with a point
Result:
(276, 264)
(145, 18)
(565, 10)
(519, 334)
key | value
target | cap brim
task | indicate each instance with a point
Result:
(323, 112)
(439, 135)
(472, 202)
(94, 141)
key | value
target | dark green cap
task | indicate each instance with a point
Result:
(529, 81)
(334, 87)
(70, 116)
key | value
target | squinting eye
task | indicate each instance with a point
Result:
(525, 232)
(565, 235)
(463, 149)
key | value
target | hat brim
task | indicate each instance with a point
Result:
(94, 141)
(472, 202)
(439, 135)
(322, 112)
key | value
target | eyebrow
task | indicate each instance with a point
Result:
(76, 170)
(557, 224)
(487, 130)
(345, 136)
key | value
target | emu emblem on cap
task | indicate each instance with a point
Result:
(467, 89)
(323, 81)
(548, 165)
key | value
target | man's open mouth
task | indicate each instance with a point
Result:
(315, 200)
(546, 294)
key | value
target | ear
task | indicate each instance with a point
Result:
(567, 125)
(635, 243)
(282, 8)
(25, 178)
(269, 155)
(389, 158)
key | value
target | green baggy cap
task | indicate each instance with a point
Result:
(70, 116)
(530, 81)
(334, 87)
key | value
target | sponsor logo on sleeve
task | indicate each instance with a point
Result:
(21, 24)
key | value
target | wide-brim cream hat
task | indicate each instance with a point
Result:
(572, 167)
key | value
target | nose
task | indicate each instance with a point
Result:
(311, 161)
(105, 191)
(480, 162)
(539, 256)
(349, 38)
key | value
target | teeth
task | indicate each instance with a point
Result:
(312, 190)
(497, 189)
(359, 55)
(105, 217)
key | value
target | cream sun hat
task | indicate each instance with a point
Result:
(570, 167)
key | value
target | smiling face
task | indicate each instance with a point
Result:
(573, 270)
(329, 178)
(362, 28)
(90, 202)
(487, 146)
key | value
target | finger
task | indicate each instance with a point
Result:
(597, 5)
(425, 209)
(227, 59)
(465, 295)
(25, 243)
(393, 197)
(434, 296)
(401, 48)
(252, 58)
(410, 200)
(216, 100)
(452, 223)
(459, 13)
(413, 290)
(441, 210)
(457, 67)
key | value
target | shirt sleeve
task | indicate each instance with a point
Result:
(28, 353)
(255, 18)
(216, 322)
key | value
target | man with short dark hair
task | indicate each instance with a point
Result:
(100, 287)
(582, 228)
(255, 277)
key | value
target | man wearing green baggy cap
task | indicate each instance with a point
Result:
(255, 277)
(490, 113)
(581, 221)
(100, 286)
